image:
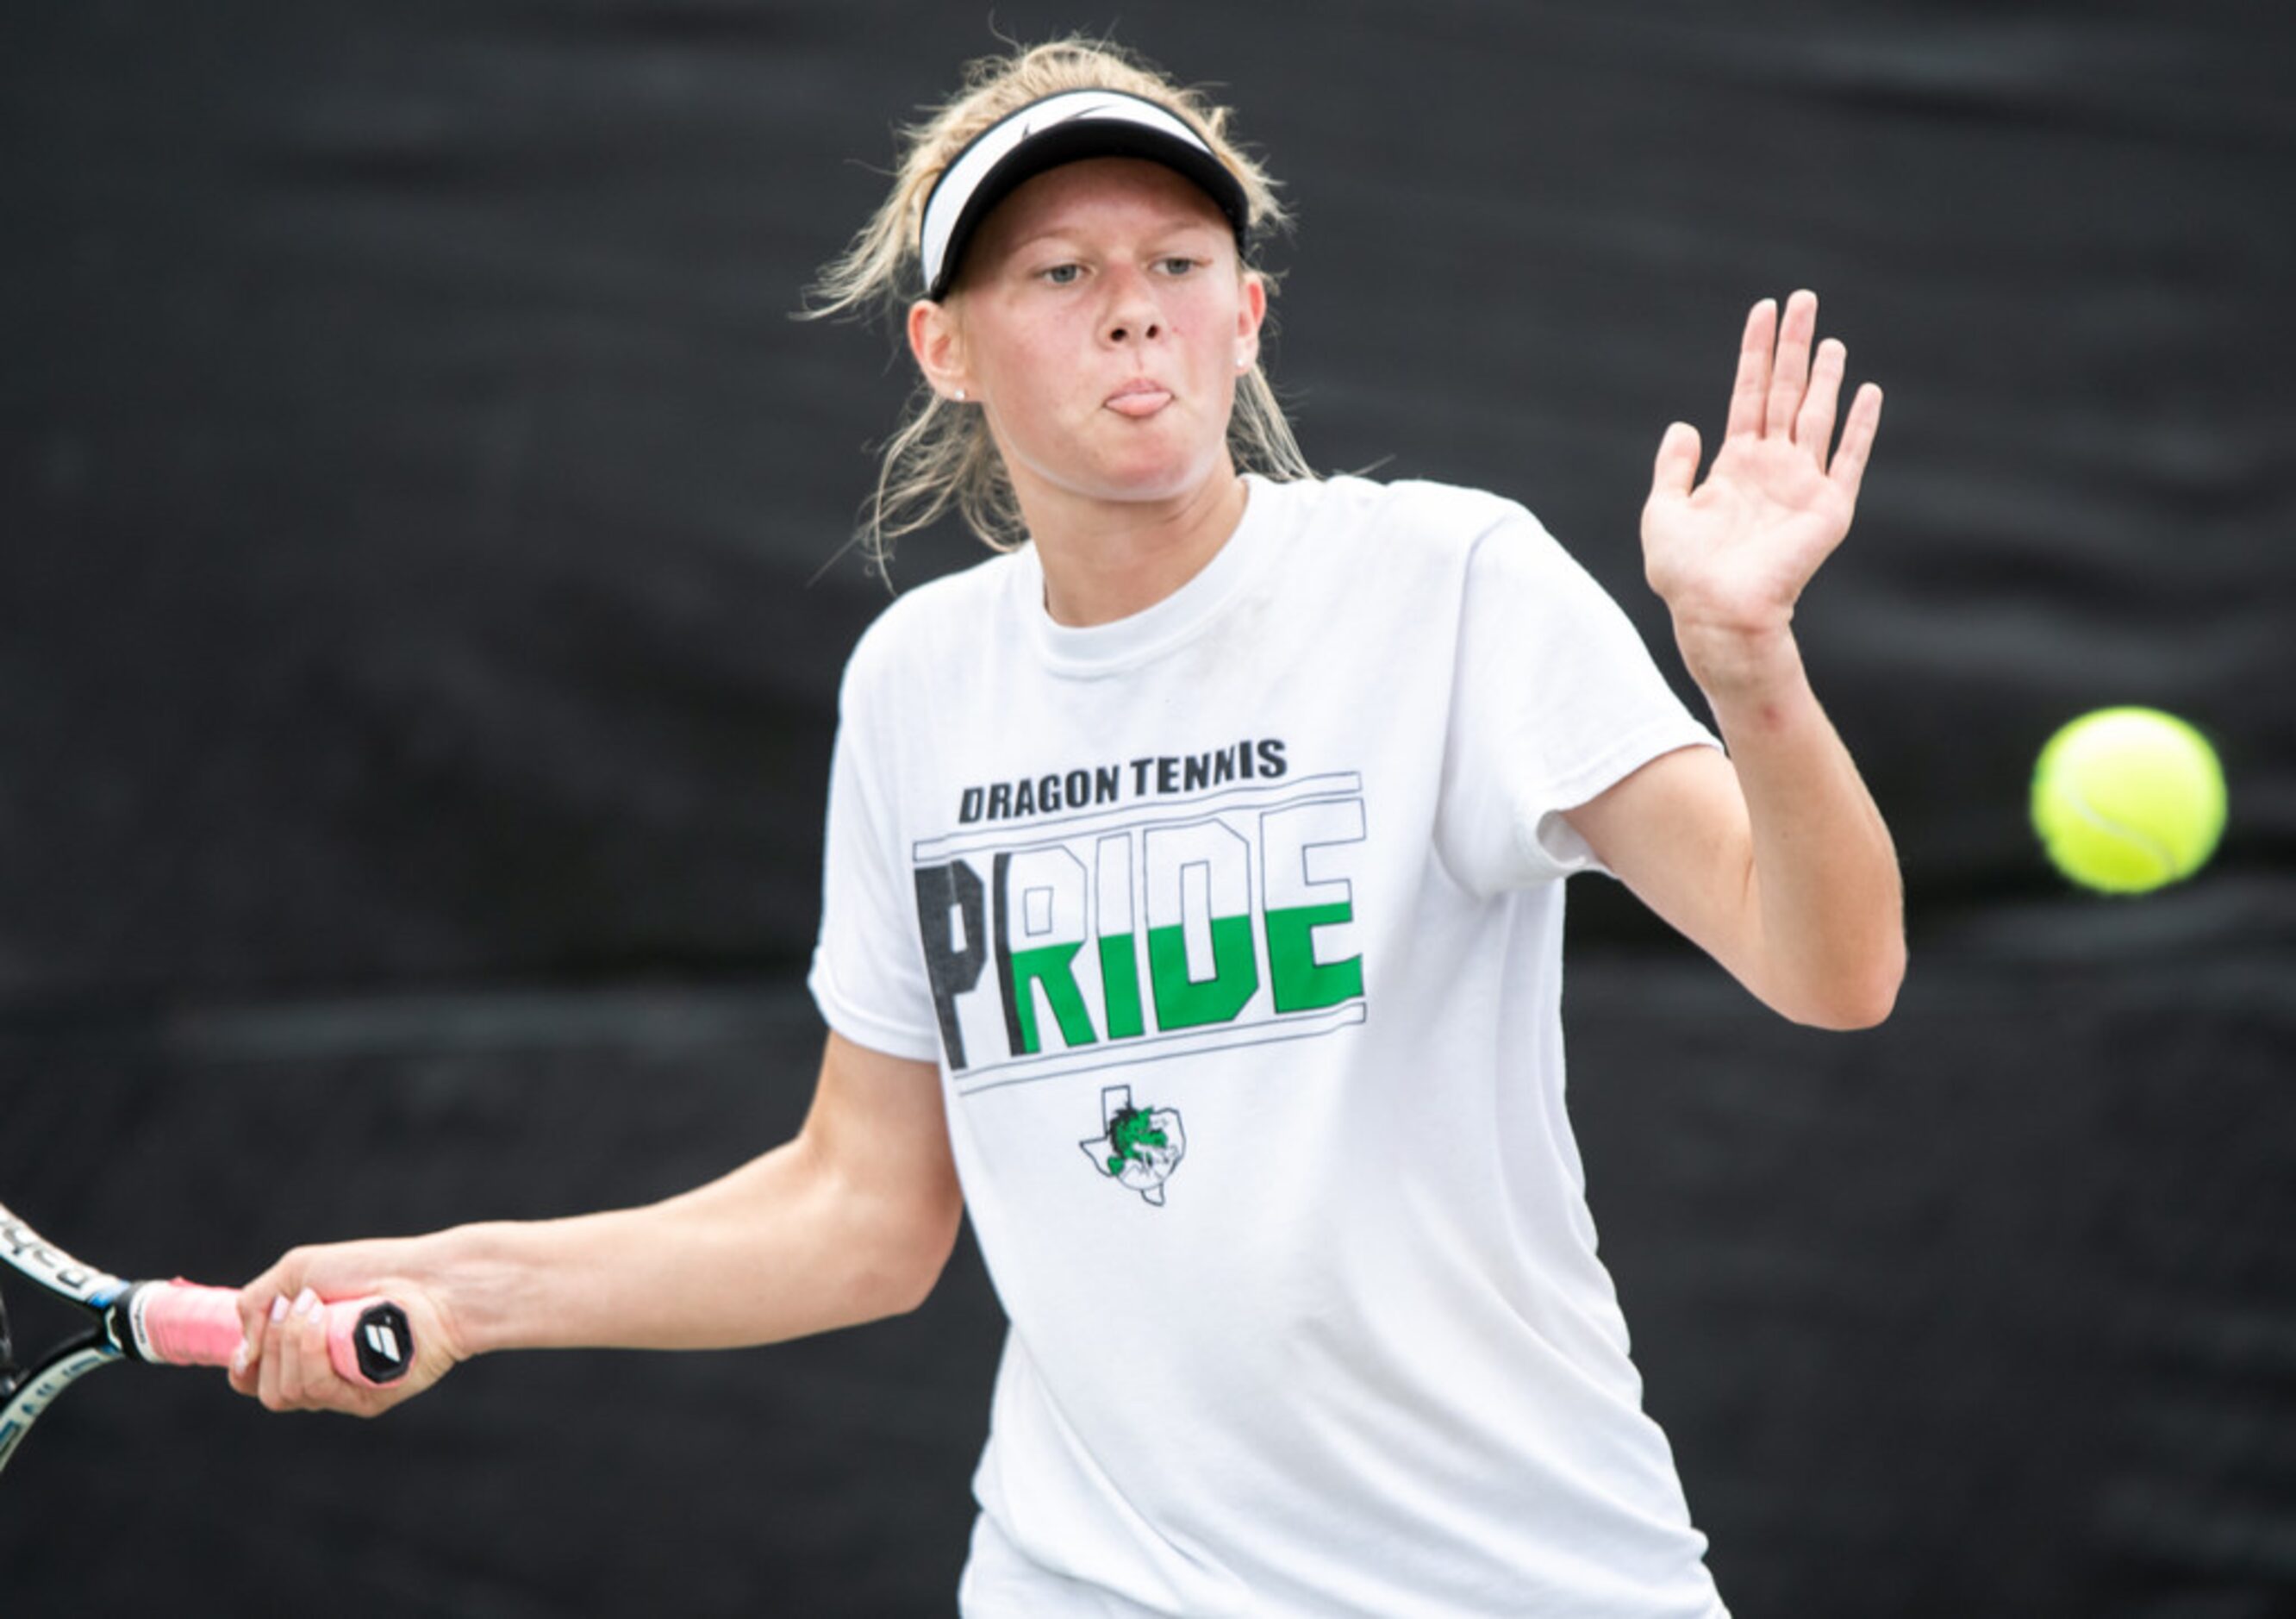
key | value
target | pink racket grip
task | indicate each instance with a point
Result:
(180, 1323)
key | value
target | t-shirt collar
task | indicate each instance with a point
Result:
(1101, 649)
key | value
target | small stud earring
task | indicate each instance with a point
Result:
(960, 395)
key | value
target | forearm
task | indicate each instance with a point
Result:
(783, 1246)
(1824, 892)
(851, 1221)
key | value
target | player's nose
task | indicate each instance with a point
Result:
(1133, 311)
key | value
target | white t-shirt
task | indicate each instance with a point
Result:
(1235, 927)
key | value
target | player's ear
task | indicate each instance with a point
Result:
(1251, 314)
(937, 342)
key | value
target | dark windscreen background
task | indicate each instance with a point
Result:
(421, 604)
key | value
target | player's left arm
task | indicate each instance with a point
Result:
(1775, 859)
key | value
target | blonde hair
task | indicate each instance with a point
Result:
(941, 455)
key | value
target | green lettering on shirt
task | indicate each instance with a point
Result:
(1217, 1000)
(1051, 967)
(1120, 979)
(1298, 983)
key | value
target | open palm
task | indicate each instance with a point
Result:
(1730, 556)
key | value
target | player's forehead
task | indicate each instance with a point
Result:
(1100, 194)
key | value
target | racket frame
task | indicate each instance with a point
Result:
(29, 1391)
(176, 1323)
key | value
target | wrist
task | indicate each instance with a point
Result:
(467, 1271)
(1738, 668)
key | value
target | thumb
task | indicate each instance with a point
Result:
(1676, 468)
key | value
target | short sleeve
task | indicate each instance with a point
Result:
(1553, 698)
(868, 975)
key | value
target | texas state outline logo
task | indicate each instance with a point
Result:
(1137, 1148)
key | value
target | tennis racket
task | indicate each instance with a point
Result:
(163, 1324)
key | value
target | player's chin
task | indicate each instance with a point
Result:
(1148, 488)
(1147, 466)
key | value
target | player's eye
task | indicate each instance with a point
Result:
(1178, 264)
(1060, 274)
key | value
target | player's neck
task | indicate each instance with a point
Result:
(1104, 561)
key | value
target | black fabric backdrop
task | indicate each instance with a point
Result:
(421, 606)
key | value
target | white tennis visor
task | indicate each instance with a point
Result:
(1063, 128)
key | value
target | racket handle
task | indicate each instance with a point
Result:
(180, 1323)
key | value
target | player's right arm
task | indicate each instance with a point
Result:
(850, 1221)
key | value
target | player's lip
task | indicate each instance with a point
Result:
(1140, 396)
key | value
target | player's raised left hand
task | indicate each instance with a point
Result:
(1730, 556)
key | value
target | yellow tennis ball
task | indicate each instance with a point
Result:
(2128, 798)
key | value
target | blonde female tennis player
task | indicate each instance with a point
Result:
(1192, 918)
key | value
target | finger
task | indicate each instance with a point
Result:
(1676, 468)
(1790, 374)
(271, 1357)
(245, 1370)
(1849, 468)
(245, 1362)
(255, 1301)
(307, 1370)
(1814, 428)
(322, 1383)
(1753, 383)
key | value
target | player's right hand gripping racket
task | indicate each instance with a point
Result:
(162, 1323)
